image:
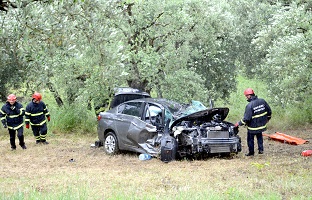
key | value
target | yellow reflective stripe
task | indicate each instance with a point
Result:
(256, 116)
(27, 120)
(2, 112)
(21, 111)
(15, 128)
(48, 113)
(243, 122)
(12, 116)
(2, 118)
(44, 121)
(36, 114)
(258, 128)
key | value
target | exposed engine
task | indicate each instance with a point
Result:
(202, 137)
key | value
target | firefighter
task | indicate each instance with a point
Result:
(37, 115)
(257, 114)
(12, 117)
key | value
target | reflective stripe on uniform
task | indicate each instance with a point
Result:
(44, 121)
(36, 114)
(12, 116)
(257, 128)
(17, 127)
(256, 116)
(21, 111)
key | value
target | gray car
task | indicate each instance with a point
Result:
(167, 129)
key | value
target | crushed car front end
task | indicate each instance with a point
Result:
(204, 133)
(207, 138)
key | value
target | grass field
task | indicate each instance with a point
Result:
(68, 168)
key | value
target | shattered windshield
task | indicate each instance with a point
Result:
(195, 106)
(175, 110)
(184, 110)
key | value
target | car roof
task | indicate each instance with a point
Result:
(129, 90)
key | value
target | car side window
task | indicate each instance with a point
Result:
(121, 108)
(153, 111)
(131, 108)
(168, 116)
(153, 114)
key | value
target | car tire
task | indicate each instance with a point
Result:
(110, 144)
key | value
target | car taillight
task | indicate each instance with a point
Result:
(99, 117)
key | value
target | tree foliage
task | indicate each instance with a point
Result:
(182, 50)
(287, 42)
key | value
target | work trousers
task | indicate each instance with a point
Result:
(40, 132)
(20, 137)
(251, 142)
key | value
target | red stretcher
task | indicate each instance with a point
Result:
(281, 137)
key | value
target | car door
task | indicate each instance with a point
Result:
(150, 119)
(139, 130)
(129, 120)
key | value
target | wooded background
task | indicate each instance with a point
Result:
(176, 49)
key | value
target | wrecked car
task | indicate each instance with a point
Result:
(167, 129)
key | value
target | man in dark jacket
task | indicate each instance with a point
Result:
(257, 114)
(12, 117)
(36, 115)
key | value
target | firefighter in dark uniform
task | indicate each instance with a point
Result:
(257, 114)
(37, 115)
(12, 117)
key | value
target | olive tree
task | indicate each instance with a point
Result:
(287, 42)
(82, 50)
(12, 69)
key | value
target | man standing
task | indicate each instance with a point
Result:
(36, 115)
(257, 114)
(12, 117)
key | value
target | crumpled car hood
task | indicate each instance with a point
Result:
(204, 115)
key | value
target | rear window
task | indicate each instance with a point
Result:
(121, 98)
(131, 108)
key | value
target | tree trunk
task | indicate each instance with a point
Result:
(56, 95)
(138, 84)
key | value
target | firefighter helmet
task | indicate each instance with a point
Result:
(249, 91)
(11, 98)
(37, 96)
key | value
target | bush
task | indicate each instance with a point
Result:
(72, 118)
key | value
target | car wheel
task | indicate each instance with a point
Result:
(110, 144)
